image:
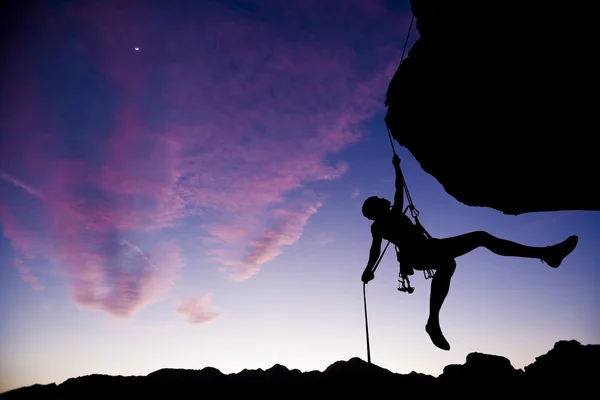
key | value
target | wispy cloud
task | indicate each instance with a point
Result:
(10, 179)
(285, 227)
(324, 238)
(121, 281)
(216, 130)
(26, 275)
(356, 193)
(198, 309)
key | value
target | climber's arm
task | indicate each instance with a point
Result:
(399, 196)
(374, 252)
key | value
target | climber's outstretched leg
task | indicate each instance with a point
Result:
(552, 255)
(460, 245)
(440, 284)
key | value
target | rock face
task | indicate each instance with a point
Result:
(497, 101)
(566, 371)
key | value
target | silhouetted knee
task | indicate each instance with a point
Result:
(447, 267)
(482, 238)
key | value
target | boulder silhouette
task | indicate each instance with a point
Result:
(566, 371)
(568, 368)
(494, 101)
(482, 376)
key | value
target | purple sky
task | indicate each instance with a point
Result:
(193, 172)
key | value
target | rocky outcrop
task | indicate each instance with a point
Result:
(497, 102)
(482, 376)
(567, 368)
(564, 372)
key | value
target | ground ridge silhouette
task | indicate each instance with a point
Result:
(567, 370)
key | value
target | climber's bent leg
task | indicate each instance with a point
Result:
(440, 285)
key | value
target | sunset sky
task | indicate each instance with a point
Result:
(181, 184)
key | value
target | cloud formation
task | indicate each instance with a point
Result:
(242, 250)
(11, 179)
(198, 309)
(216, 130)
(27, 276)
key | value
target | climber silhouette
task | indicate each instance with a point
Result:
(421, 253)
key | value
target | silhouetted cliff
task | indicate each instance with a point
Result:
(495, 101)
(566, 371)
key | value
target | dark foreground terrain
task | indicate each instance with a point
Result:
(570, 370)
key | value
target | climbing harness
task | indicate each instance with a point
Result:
(404, 282)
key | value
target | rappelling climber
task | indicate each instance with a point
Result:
(420, 253)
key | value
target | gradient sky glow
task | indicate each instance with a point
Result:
(196, 201)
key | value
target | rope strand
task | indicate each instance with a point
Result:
(401, 61)
(407, 36)
(390, 136)
(407, 197)
(367, 323)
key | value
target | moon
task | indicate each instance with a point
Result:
(136, 48)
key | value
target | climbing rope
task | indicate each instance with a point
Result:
(401, 61)
(366, 323)
(407, 36)
(365, 302)
(414, 212)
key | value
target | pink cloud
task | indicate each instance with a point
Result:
(198, 309)
(20, 238)
(221, 125)
(324, 238)
(11, 179)
(86, 238)
(286, 229)
(122, 280)
(26, 275)
(355, 193)
(242, 258)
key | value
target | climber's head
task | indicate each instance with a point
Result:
(374, 207)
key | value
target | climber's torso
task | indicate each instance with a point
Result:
(398, 229)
